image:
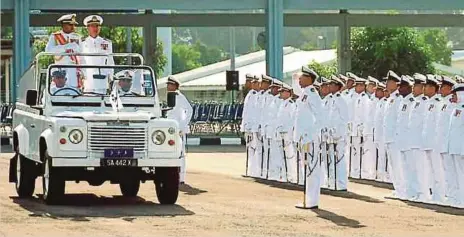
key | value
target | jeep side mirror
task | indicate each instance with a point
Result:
(31, 97)
(171, 99)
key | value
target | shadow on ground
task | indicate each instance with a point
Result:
(337, 219)
(433, 207)
(79, 207)
(341, 194)
(372, 183)
(189, 190)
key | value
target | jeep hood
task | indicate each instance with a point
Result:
(107, 115)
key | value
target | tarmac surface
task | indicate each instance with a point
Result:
(217, 201)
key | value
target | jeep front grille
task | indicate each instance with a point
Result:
(102, 136)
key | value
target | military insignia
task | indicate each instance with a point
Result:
(437, 99)
(338, 95)
(457, 113)
(431, 107)
(254, 92)
(404, 107)
(104, 46)
(424, 98)
(397, 94)
(411, 99)
(304, 98)
(73, 41)
(417, 105)
(391, 101)
(363, 94)
(444, 107)
(359, 101)
(312, 90)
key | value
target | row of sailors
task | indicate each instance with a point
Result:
(399, 131)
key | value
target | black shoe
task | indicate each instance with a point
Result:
(315, 207)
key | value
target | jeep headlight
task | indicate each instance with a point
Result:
(75, 136)
(158, 137)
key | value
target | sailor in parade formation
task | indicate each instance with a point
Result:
(405, 130)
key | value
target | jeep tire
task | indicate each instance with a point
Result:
(25, 176)
(53, 184)
(167, 184)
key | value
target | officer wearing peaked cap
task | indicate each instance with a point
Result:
(265, 97)
(94, 44)
(371, 85)
(447, 84)
(248, 79)
(419, 83)
(308, 119)
(67, 41)
(381, 100)
(182, 113)
(459, 79)
(456, 150)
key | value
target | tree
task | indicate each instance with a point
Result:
(184, 58)
(323, 70)
(208, 55)
(377, 50)
(438, 41)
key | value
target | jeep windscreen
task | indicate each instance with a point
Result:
(89, 80)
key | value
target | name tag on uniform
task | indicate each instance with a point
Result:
(431, 107)
(417, 105)
(457, 113)
(304, 98)
(104, 46)
(404, 108)
(443, 108)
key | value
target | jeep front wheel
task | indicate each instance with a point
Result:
(167, 184)
(53, 185)
(25, 176)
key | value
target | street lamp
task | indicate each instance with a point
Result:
(325, 40)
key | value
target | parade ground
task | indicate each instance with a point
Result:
(217, 201)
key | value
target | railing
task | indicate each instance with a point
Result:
(216, 118)
(6, 119)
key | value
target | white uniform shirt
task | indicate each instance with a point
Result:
(402, 133)
(416, 121)
(360, 103)
(248, 104)
(338, 116)
(271, 116)
(73, 43)
(378, 120)
(97, 45)
(390, 118)
(182, 112)
(456, 143)
(284, 121)
(442, 124)
(307, 120)
(429, 130)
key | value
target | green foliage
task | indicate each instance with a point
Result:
(208, 55)
(323, 70)
(438, 41)
(377, 50)
(184, 58)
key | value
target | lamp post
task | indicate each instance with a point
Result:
(320, 37)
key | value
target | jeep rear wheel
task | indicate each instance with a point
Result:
(53, 185)
(129, 187)
(167, 184)
(25, 176)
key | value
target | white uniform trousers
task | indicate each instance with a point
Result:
(410, 171)
(313, 179)
(381, 162)
(323, 159)
(459, 161)
(438, 178)
(250, 150)
(336, 171)
(395, 164)
(290, 154)
(182, 158)
(355, 168)
(276, 168)
(368, 158)
(265, 159)
(256, 156)
(348, 153)
(423, 175)
(451, 180)
(301, 165)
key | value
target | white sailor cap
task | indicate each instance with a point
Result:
(419, 78)
(391, 75)
(266, 78)
(351, 76)
(324, 81)
(360, 80)
(343, 78)
(255, 79)
(286, 87)
(308, 72)
(459, 79)
(68, 19)
(59, 73)
(372, 80)
(458, 87)
(249, 77)
(407, 80)
(276, 82)
(381, 86)
(93, 19)
(334, 79)
(173, 80)
(448, 81)
(431, 79)
(124, 75)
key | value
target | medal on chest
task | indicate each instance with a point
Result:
(305, 97)
(104, 46)
(457, 113)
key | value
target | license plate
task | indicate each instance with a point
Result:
(118, 162)
(119, 153)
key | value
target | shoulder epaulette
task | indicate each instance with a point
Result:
(56, 33)
(411, 99)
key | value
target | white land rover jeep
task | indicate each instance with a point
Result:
(64, 133)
